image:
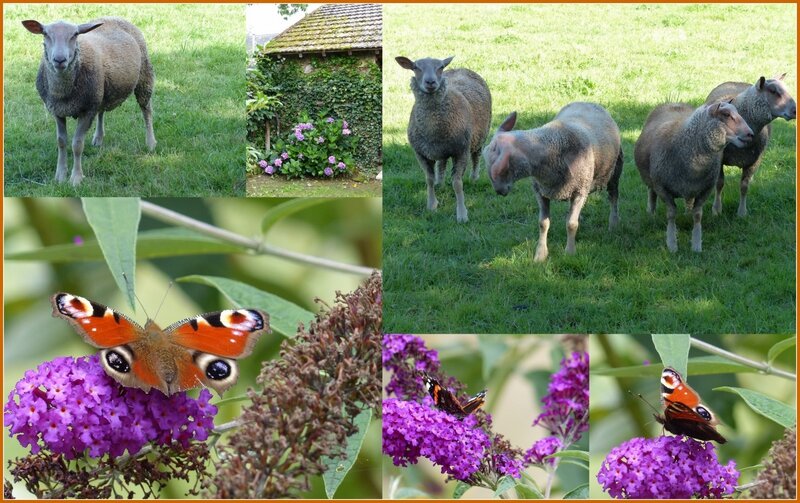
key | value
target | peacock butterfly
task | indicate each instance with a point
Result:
(445, 400)
(199, 351)
(683, 412)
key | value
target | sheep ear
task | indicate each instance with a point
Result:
(779, 77)
(405, 62)
(501, 164)
(33, 26)
(760, 83)
(447, 61)
(87, 27)
(509, 123)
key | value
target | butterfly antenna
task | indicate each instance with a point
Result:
(125, 277)
(163, 298)
(639, 395)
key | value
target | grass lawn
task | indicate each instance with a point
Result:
(266, 186)
(198, 54)
(444, 277)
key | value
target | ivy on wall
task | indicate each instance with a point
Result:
(346, 87)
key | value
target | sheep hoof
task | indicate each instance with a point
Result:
(432, 205)
(151, 145)
(462, 218)
(742, 211)
(76, 180)
(61, 177)
(97, 141)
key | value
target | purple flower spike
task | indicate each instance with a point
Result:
(541, 449)
(328, 172)
(70, 406)
(666, 467)
(398, 351)
(566, 405)
(412, 430)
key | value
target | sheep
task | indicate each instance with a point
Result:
(576, 153)
(758, 104)
(450, 118)
(679, 153)
(87, 70)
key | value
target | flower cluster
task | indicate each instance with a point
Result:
(566, 405)
(406, 357)
(666, 467)
(412, 429)
(69, 406)
(541, 449)
(778, 479)
(321, 147)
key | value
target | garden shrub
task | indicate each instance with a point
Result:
(340, 86)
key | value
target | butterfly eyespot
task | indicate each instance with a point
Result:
(218, 370)
(117, 362)
(703, 412)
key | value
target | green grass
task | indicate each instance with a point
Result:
(444, 277)
(198, 54)
(359, 186)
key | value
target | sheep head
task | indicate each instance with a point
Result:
(427, 72)
(60, 41)
(497, 156)
(736, 129)
(774, 91)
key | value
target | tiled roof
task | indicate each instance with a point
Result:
(332, 28)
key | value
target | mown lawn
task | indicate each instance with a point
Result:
(198, 54)
(277, 186)
(444, 277)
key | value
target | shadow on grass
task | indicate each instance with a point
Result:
(266, 186)
(479, 277)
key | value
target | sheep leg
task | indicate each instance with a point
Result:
(100, 131)
(144, 93)
(613, 192)
(459, 167)
(573, 220)
(430, 179)
(150, 137)
(441, 167)
(716, 208)
(697, 230)
(544, 227)
(652, 198)
(476, 162)
(61, 139)
(672, 231)
(84, 123)
(744, 185)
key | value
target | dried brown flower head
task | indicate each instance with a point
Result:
(778, 479)
(309, 398)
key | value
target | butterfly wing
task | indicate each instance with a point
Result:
(475, 403)
(681, 419)
(443, 399)
(212, 342)
(99, 325)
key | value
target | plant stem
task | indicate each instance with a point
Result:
(175, 218)
(763, 367)
(551, 472)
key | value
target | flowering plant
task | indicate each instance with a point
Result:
(322, 147)
(468, 449)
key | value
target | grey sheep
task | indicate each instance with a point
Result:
(450, 118)
(679, 153)
(571, 156)
(758, 104)
(87, 70)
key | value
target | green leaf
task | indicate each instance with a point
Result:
(780, 347)
(461, 488)
(283, 210)
(753, 468)
(582, 455)
(504, 484)
(579, 493)
(405, 493)
(673, 350)
(492, 349)
(115, 222)
(703, 365)
(767, 406)
(284, 316)
(569, 461)
(336, 469)
(169, 242)
(526, 492)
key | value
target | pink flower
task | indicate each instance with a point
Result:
(263, 164)
(320, 140)
(328, 172)
(277, 162)
(346, 132)
(284, 156)
(341, 166)
(269, 170)
(332, 160)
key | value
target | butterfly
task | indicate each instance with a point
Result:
(199, 351)
(683, 412)
(445, 400)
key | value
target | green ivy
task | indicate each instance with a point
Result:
(345, 87)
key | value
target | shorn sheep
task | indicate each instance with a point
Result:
(679, 154)
(576, 153)
(87, 70)
(450, 119)
(758, 104)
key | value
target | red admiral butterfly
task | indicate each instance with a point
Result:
(445, 400)
(683, 412)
